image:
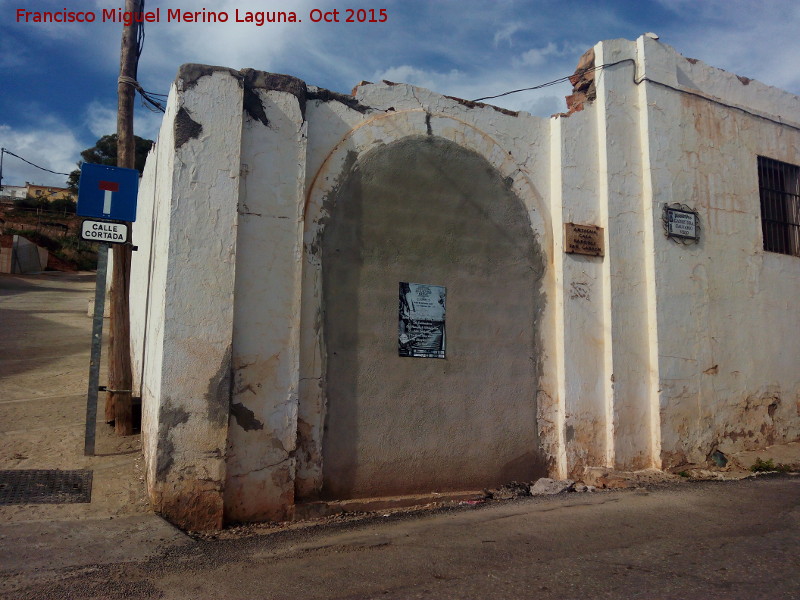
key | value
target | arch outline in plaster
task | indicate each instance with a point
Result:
(317, 208)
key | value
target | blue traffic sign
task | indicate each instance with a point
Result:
(108, 192)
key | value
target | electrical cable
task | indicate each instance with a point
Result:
(636, 81)
(527, 89)
(139, 42)
(150, 100)
(32, 164)
(702, 96)
(151, 103)
(555, 81)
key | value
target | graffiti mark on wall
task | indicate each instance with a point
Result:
(579, 289)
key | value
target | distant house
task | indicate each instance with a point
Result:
(9, 193)
(49, 192)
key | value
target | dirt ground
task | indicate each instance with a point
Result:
(44, 369)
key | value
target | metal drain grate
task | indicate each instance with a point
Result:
(45, 487)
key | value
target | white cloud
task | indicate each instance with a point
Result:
(567, 53)
(420, 77)
(101, 120)
(538, 56)
(230, 44)
(545, 105)
(50, 145)
(756, 40)
(505, 33)
(53, 145)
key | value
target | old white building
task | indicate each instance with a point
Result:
(401, 292)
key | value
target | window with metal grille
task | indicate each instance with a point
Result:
(779, 188)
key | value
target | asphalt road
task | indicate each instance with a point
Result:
(692, 540)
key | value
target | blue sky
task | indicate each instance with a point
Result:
(58, 81)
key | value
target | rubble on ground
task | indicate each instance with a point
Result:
(544, 486)
(549, 487)
(509, 491)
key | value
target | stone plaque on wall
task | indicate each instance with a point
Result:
(681, 223)
(583, 239)
(421, 320)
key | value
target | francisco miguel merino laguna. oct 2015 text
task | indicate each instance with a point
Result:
(177, 15)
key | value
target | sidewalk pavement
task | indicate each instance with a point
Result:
(45, 338)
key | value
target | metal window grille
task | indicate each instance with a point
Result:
(779, 189)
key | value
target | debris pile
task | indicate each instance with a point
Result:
(541, 487)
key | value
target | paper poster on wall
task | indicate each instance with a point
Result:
(421, 327)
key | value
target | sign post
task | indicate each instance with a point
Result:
(108, 195)
(97, 342)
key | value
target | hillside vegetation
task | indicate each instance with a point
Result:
(55, 228)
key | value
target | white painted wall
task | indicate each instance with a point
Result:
(516, 145)
(727, 310)
(584, 362)
(263, 425)
(653, 355)
(187, 348)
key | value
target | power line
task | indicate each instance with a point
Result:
(554, 82)
(639, 81)
(527, 89)
(4, 151)
(149, 99)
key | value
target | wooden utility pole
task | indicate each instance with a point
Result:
(120, 377)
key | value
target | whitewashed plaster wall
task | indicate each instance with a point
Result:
(623, 196)
(265, 363)
(516, 145)
(148, 281)
(146, 296)
(187, 336)
(580, 296)
(274, 404)
(727, 309)
(646, 353)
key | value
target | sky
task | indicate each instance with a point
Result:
(58, 81)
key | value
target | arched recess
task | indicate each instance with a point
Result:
(420, 209)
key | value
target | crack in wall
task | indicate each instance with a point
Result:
(290, 457)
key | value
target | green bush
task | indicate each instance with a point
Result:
(31, 202)
(71, 249)
(764, 466)
(43, 240)
(63, 205)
